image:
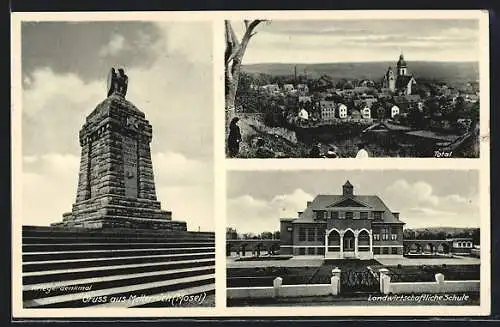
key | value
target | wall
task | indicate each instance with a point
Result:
(249, 292)
(433, 287)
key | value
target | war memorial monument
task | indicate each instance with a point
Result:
(117, 247)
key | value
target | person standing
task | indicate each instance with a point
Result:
(362, 153)
(234, 138)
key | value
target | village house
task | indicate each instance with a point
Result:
(366, 112)
(305, 98)
(394, 111)
(341, 111)
(302, 89)
(327, 110)
(288, 88)
(271, 88)
(344, 226)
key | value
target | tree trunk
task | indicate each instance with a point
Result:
(235, 51)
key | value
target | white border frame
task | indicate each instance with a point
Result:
(222, 164)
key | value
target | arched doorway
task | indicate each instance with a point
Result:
(428, 248)
(349, 241)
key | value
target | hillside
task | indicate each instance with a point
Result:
(449, 72)
(445, 229)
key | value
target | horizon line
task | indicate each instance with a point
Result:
(351, 62)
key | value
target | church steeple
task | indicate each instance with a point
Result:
(347, 189)
(402, 66)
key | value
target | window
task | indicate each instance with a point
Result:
(302, 251)
(321, 251)
(334, 215)
(348, 215)
(320, 215)
(394, 237)
(394, 250)
(310, 251)
(385, 250)
(363, 215)
(302, 234)
(376, 237)
(341, 215)
(289, 229)
(310, 234)
(376, 250)
(385, 233)
(377, 215)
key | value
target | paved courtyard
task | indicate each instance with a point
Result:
(303, 261)
(423, 261)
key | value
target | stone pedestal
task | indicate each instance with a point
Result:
(116, 184)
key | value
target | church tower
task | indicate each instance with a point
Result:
(116, 185)
(402, 66)
(390, 80)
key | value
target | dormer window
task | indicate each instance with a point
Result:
(320, 215)
(377, 215)
(334, 215)
(363, 215)
(348, 215)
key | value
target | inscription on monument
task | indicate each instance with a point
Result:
(130, 166)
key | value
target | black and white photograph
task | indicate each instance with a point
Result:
(352, 88)
(117, 125)
(353, 238)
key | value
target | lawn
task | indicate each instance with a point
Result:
(426, 273)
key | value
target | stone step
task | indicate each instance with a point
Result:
(46, 276)
(166, 299)
(111, 246)
(76, 232)
(107, 261)
(29, 240)
(69, 255)
(41, 290)
(122, 292)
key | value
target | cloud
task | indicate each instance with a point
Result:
(172, 168)
(49, 186)
(249, 214)
(193, 204)
(114, 47)
(421, 207)
(419, 193)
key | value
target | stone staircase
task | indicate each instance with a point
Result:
(65, 268)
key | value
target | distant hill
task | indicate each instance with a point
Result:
(449, 72)
(447, 230)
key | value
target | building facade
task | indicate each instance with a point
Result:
(327, 110)
(343, 226)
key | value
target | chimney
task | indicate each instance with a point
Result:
(396, 214)
(299, 213)
(309, 203)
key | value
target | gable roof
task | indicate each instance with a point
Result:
(403, 80)
(322, 201)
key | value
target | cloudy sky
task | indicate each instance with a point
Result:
(256, 200)
(362, 40)
(64, 69)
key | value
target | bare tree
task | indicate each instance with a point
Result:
(235, 50)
